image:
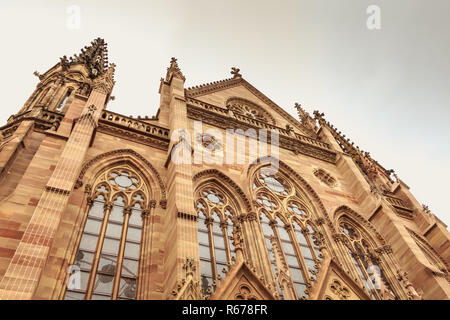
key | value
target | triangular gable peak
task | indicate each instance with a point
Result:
(241, 283)
(218, 93)
(333, 283)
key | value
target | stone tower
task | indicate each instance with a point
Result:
(220, 195)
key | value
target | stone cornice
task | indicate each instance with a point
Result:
(130, 134)
(44, 120)
(134, 129)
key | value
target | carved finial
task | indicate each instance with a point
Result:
(305, 118)
(235, 72)
(426, 210)
(37, 74)
(189, 267)
(174, 71)
(319, 116)
(237, 242)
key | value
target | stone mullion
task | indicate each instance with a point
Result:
(144, 269)
(300, 259)
(286, 286)
(261, 251)
(283, 257)
(366, 275)
(224, 226)
(386, 271)
(140, 284)
(343, 255)
(250, 245)
(212, 251)
(154, 275)
(248, 254)
(98, 250)
(123, 239)
(306, 234)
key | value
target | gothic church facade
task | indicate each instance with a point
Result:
(93, 204)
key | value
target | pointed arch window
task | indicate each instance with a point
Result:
(366, 264)
(109, 249)
(64, 100)
(291, 237)
(216, 215)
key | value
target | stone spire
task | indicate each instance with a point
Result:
(174, 71)
(94, 57)
(305, 118)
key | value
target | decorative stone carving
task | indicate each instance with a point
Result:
(403, 278)
(325, 177)
(338, 289)
(235, 72)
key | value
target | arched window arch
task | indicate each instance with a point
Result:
(292, 238)
(433, 257)
(217, 213)
(361, 253)
(109, 249)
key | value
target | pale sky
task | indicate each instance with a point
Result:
(388, 90)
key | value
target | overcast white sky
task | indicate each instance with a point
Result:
(387, 89)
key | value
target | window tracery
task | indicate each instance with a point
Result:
(216, 219)
(366, 263)
(109, 249)
(249, 109)
(292, 239)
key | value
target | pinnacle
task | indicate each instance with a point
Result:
(235, 72)
(94, 57)
(174, 70)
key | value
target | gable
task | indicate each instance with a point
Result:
(335, 284)
(219, 93)
(241, 283)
